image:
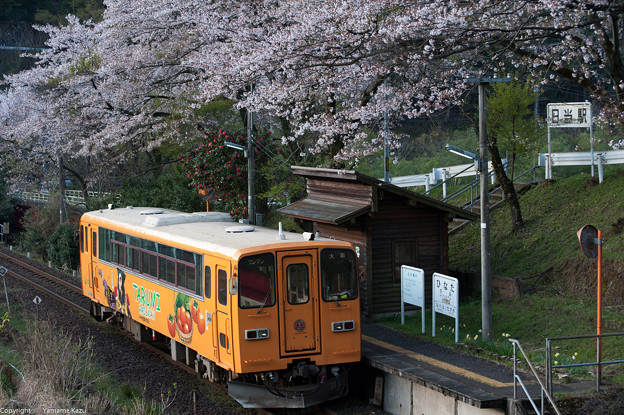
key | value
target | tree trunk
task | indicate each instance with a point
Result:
(63, 210)
(508, 188)
(81, 180)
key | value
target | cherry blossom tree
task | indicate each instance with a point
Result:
(327, 72)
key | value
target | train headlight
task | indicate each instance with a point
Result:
(256, 334)
(338, 326)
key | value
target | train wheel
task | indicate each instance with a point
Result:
(212, 372)
(95, 311)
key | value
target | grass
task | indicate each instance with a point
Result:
(73, 378)
(558, 280)
(553, 213)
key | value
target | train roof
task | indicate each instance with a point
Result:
(200, 231)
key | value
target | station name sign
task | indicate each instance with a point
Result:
(569, 115)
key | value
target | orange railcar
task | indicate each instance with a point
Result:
(274, 315)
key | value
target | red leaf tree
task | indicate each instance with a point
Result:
(213, 165)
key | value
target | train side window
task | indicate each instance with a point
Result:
(105, 244)
(94, 244)
(153, 265)
(207, 282)
(222, 286)
(167, 270)
(191, 281)
(82, 239)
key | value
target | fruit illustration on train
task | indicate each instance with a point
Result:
(276, 317)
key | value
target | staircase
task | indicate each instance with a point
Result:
(496, 197)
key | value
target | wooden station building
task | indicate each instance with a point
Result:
(389, 226)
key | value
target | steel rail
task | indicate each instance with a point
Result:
(41, 272)
(47, 291)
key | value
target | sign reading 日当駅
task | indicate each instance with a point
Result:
(569, 114)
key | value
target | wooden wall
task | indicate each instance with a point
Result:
(397, 219)
(340, 192)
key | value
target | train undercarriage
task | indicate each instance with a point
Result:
(302, 385)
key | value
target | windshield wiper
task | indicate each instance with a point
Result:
(266, 297)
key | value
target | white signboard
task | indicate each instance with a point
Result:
(412, 290)
(445, 294)
(569, 115)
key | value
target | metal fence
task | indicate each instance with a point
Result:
(72, 197)
(596, 158)
(599, 363)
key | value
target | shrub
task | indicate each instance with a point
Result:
(63, 248)
(39, 224)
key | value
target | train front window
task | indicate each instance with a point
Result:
(338, 275)
(256, 281)
(298, 283)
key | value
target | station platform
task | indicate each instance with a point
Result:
(423, 377)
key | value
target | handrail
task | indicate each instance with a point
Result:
(517, 378)
(476, 183)
(446, 180)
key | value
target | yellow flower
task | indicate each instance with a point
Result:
(557, 354)
(476, 335)
(556, 363)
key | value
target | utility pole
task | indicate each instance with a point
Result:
(486, 277)
(251, 167)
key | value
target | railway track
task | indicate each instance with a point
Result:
(66, 289)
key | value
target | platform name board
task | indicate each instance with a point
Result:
(413, 290)
(445, 293)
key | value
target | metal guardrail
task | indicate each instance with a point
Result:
(517, 380)
(596, 158)
(438, 173)
(72, 197)
(598, 362)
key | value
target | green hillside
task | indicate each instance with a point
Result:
(558, 281)
(547, 249)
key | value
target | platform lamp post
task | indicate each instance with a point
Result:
(247, 150)
(251, 170)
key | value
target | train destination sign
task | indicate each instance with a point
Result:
(445, 293)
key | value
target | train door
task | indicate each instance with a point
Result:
(86, 260)
(93, 283)
(224, 315)
(298, 299)
(210, 302)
